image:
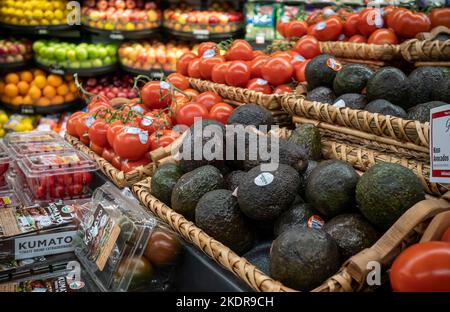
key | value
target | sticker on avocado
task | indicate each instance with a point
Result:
(209, 53)
(264, 179)
(339, 104)
(315, 222)
(299, 58)
(321, 26)
(334, 64)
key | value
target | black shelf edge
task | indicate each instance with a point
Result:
(43, 110)
(152, 73)
(37, 30)
(15, 66)
(203, 36)
(119, 35)
(82, 72)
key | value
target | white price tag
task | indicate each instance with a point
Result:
(116, 36)
(440, 144)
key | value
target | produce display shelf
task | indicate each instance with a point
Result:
(123, 34)
(52, 30)
(204, 35)
(82, 72)
(152, 73)
(15, 66)
(43, 110)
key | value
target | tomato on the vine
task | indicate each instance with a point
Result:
(162, 138)
(117, 162)
(369, 21)
(108, 154)
(409, 24)
(300, 71)
(208, 99)
(192, 93)
(218, 72)
(187, 113)
(71, 123)
(277, 70)
(284, 54)
(82, 125)
(156, 94)
(207, 63)
(131, 143)
(383, 36)
(307, 46)
(154, 121)
(238, 74)
(394, 15)
(296, 28)
(183, 62)
(446, 236)
(315, 17)
(221, 112)
(255, 66)
(96, 148)
(204, 46)
(178, 81)
(259, 85)
(281, 26)
(128, 165)
(193, 69)
(328, 30)
(113, 128)
(239, 50)
(97, 133)
(282, 89)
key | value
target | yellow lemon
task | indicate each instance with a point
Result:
(38, 14)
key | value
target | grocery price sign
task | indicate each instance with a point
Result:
(440, 144)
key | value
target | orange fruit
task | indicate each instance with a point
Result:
(54, 81)
(12, 78)
(69, 97)
(43, 102)
(11, 90)
(49, 92)
(68, 77)
(62, 89)
(26, 76)
(35, 92)
(38, 72)
(2, 87)
(23, 87)
(17, 100)
(72, 87)
(40, 82)
(5, 99)
(58, 99)
(27, 100)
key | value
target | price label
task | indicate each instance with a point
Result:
(42, 31)
(439, 144)
(116, 36)
(27, 109)
(156, 74)
(201, 33)
(57, 71)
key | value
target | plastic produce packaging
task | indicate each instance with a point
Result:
(4, 163)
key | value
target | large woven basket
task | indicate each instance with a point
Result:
(426, 52)
(361, 51)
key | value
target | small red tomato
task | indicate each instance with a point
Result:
(221, 112)
(238, 74)
(307, 46)
(358, 39)
(255, 66)
(259, 85)
(193, 70)
(183, 62)
(328, 30)
(383, 36)
(178, 81)
(128, 165)
(96, 148)
(277, 71)
(218, 72)
(300, 72)
(296, 29)
(108, 154)
(446, 236)
(282, 89)
(75, 189)
(208, 99)
(240, 50)
(187, 114)
(162, 138)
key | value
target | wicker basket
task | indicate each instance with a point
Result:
(119, 178)
(361, 51)
(429, 51)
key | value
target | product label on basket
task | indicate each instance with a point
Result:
(101, 234)
(116, 36)
(440, 146)
(339, 104)
(54, 160)
(53, 284)
(264, 179)
(200, 32)
(315, 222)
(334, 64)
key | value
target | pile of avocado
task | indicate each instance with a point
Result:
(388, 91)
(314, 213)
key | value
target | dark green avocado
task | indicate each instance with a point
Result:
(390, 84)
(307, 137)
(421, 112)
(304, 177)
(351, 79)
(233, 178)
(296, 216)
(163, 181)
(386, 108)
(352, 100)
(251, 114)
(422, 81)
(322, 95)
(318, 73)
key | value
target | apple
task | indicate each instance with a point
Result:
(213, 20)
(107, 61)
(60, 54)
(223, 19)
(102, 5)
(74, 64)
(81, 53)
(3, 50)
(191, 19)
(130, 4)
(13, 49)
(120, 4)
(152, 16)
(97, 63)
(203, 19)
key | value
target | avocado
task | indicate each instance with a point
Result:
(353, 100)
(251, 114)
(352, 233)
(163, 181)
(386, 108)
(422, 81)
(318, 73)
(307, 137)
(351, 79)
(303, 258)
(442, 37)
(264, 195)
(322, 95)
(210, 136)
(192, 186)
(390, 84)
(296, 216)
(259, 256)
(233, 178)
(298, 200)
(331, 187)
(304, 177)
(421, 112)
(218, 214)
(385, 191)
(441, 91)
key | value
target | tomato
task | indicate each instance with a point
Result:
(98, 101)
(183, 62)
(277, 71)
(422, 267)
(240, 50)
(176, 104)
(162, 138)
(97, 149)
(258, 53)
(315, 17)
(179, 81)
(97, 133)
(446, 236)
(307, 46)
(300, 72)
(163, 247)
(208, 45)
(351, 25)
(284, 54)
(117, 162)
(383, 36)
(71, 122)
(409, 24)
(128, 165)
(259, 85)
(440, 17)
(221, 112)
(137, 269)
(218, 72)
(75, 189)
(187, 113)
(193, 70)
(394, 15)
(345, 12)
(113, 128)
(208, 99)
(152, 122)
(82, 125)
(207, 63)
(238, 74)
(156, 94)
(357, 38)
(281, 26)
(282, 89)
(255, 66)
(328, 30)
(296, 29)
(131, 143)
(369, 21)
(85, 140)
(388, 11)
(108, 154)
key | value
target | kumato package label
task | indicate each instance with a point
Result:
(440, 144)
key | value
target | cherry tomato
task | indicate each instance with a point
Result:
(300, 72)
(152, 122)
(351, 25)
(358, 39)
(388, 11)
(296, 29)
(85, 140)
(75, 189)
(282, 89)
(97, 149)
(131, 143)
(259, 85)
(218, 72)
(208, 45)
(108, 154)
(328, 30)
(58, 191)
(440, 17)
(97, 133)
(117, 162)
(409, 24)
(162, 138)
(240, 50)
(221, 112)
(277, 71)
(208, 99)
(140, 275)
(98, 101)
(179, 81)
(113, 128)
(238, 74)
(183, 62)
(156, 94)
(369, 21)
(128, 165)
(383, 36)
(422, 267)
(71, 122)
(207, 63)
(255, 66)
(307, 46)
(187, 113)
(446, 236)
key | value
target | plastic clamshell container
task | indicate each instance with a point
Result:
(21, 149)
(32, 137)
(9, 199)
(60, 175)
(5, 161)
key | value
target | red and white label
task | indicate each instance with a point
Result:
(440, 144)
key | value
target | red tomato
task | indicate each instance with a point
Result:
(238, 74)
(192, 93)
(393, 15)
(409, 24)
(328, 30)
(255, 66)
(97, 149)
(108, 154)
(440, 17)
(351, 25)
(388, 11)
(131, 143)
(162, 138)
(218, 72)
(179, 81)
(446, 236)
(221, 112)
(277, 71)
(97, 133)
(383, 36)
(202, 47)
(128, 165)
(259, 85)
(98, 101)
(85, 140)
(358, 39)
(296, 29)
(82, 125)
(297, 60)
(282, 89)
(422, 267)
(75, 189)
(152, 122)
(71, 122)
(207, 63)
(187, 113)
(315, 17)
(307, 46)
(183, 62)
(208, 99)
(369, 21)
(193, 69)
(258, 53)
(240, 50)
(284, 54)
(156, 94)
(281, 26)
(113, 128)
(117, 162)
(300, 72)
